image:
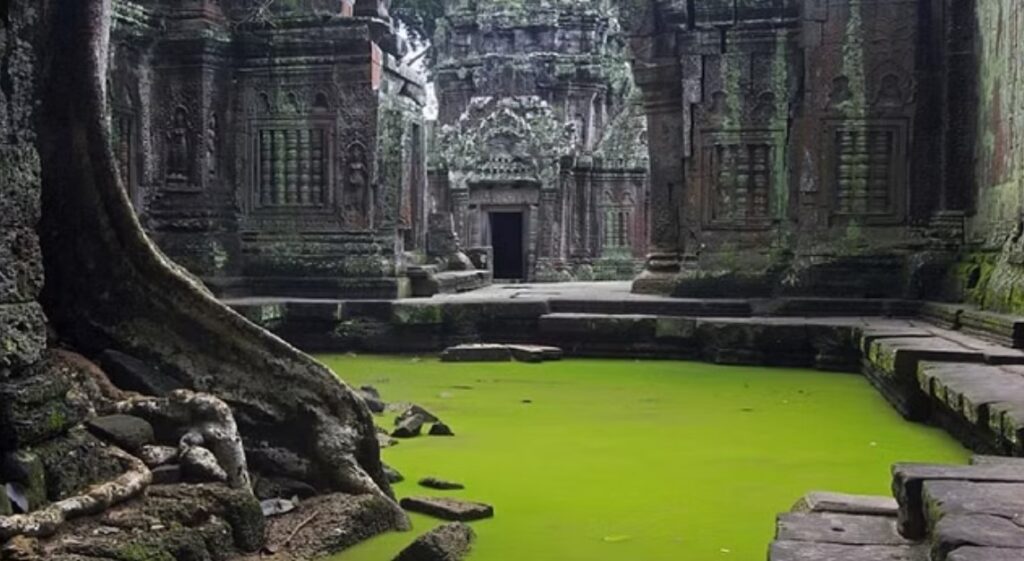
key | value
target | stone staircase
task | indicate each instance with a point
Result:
(941, 513)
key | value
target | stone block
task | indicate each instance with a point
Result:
(21, 265)
(829, 527)
(37, 406)
(675, 328)
(74, 462)
(908, 482)
(403, 313)
(1001, 328)
(22, 334)
(957, 530)
(535, 353)
(130, 373)
(129, 432)
(448, 509)
(19, 185)
(819, 501)
(985, 554)
(944, 498)
(624, 329)
(813, 551)
(450, 542)
(477, 353)
(946, 316)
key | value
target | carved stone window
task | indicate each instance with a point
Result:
(291, 167)
(617, 224)
(865, 169)
(737, 175)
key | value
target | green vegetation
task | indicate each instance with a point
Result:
(653, 461)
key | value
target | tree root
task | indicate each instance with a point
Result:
(210, 425)
(46, 522)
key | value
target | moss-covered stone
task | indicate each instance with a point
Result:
(416, 313)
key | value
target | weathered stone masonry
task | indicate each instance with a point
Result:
(273, 150)
(799, 147)
(541, 149)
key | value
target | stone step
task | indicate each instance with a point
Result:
(814, 551)
(821, 501)
(652, 306)
(830, 527)
(909, 480)
(988, 400)
(1002, 328)
(985, 554)
(892, 364)
(954, 531)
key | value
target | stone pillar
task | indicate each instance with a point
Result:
(661, 84)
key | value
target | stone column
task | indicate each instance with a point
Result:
(661, 85)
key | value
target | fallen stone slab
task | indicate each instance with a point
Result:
(819, 501)
(477, 353)
(128, 432)
(985, 554)
(448, 509)
(957, 530)
(827, 527)
(440, 484)
(812, 551)
(450, 542)
(535, 353)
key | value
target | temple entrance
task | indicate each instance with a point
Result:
(507, 241)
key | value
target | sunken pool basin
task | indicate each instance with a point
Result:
(594, 460)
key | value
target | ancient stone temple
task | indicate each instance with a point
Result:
(803, 145)
(541, 154)
(272, 148)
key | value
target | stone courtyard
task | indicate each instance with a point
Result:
(196, 193)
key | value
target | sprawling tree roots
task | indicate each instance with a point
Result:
(108, 287)
(46, 521)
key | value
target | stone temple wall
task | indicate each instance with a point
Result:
(538, 120)
(792, 145)
(991, 76)
(274, 152)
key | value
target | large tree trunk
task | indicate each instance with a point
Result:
(108, 287)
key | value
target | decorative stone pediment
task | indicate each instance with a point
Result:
(508, 140)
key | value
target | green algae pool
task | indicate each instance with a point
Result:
(594, 460)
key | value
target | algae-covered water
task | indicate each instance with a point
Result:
(642, 461)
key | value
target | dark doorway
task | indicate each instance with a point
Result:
(507, 241)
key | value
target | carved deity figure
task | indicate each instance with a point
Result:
(356, 199)
(178, 149)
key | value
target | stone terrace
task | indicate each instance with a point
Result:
(950, 365)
